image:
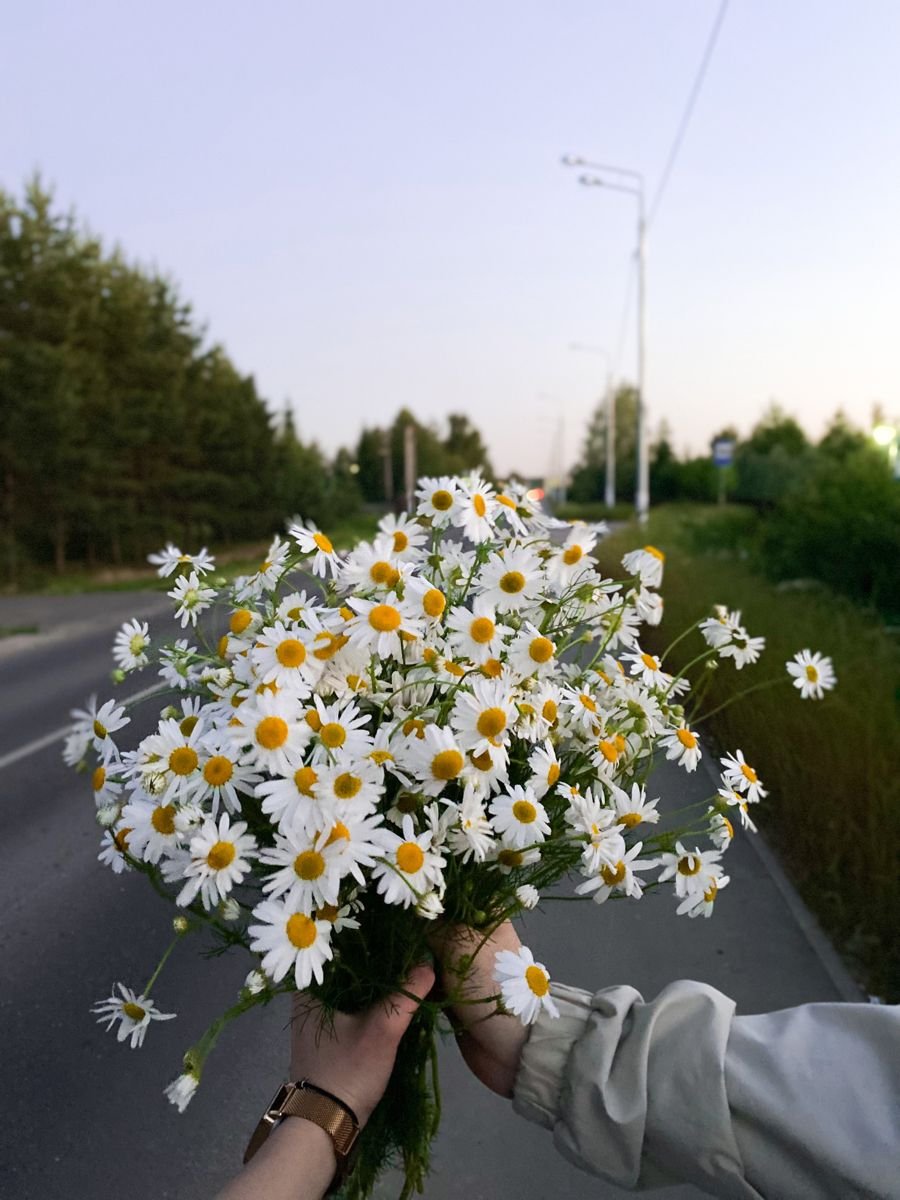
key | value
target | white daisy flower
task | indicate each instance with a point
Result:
(223, 775)
(134, 1013)
(519, 817)
(352, 843)
(406, 534)
(220, 858)
(471, 835)
(175, 756)
(507, 859)
(292, 802)
(721, 830)
(180, 1091)
(192, 598)
(633, 809)
(692, 870)
(572, 559)
(409, 867)
(177, 667)
(743, 648)
(75, 747)
(282, 654)
(438, 499)
(435, 759)
(648, 606)
(512, 580)
(130, 646)
(311, 540)
(647, 563)
(683, 747)
(155, 828)
(114, 847)
(106, 790)
(617, 622)
(812, 673)
(271, 733)
(431, 601)
(647, 668)
(481, 718)
(735, 800)
(475, 509)
(700, 904)
(290, 940)
(474, 634)
(618, 876)
(339, 728)
(383, 628)
(530, 653)
(350, 789)
(740, 775)
(528, 896)
(524, 985)
(99, 724)
(171, 559)
(719, 628)
(307, 875)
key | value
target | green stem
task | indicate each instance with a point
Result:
(161, 964)
(690, 629)
(757, 687)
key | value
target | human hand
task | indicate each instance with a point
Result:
(353, 1057)
(491, 1042)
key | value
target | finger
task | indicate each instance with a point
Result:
(402, 1006)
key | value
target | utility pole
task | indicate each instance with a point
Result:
(609, 497)
(388, 467)
(409, 464)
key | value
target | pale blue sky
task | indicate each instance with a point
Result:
(364, 202)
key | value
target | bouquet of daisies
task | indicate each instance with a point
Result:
(435, 727)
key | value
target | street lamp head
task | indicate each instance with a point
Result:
(590, 181)
(571, 160)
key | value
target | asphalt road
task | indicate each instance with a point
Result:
(84, 1118)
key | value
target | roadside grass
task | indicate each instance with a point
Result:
(832, 767)
(593, 510)
(231, 562)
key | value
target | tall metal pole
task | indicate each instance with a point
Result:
(642, 493)
(610, 487)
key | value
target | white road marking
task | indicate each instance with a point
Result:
(59, 735)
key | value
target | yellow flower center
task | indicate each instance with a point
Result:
(710, 894)
(481, 630)
(508, 501)
(414, 725)
(218, 770)
(552, 774)
(483, 761)
(291, 653)
(385, 618)
(163, 819)
(309, 864)
(221, 855)
(313, 720)
(346, 786)
(121, 839)
(572, 555)
(98, 779)
(339, 832)
(441, 500)
(301, 930)
(478, 504)
(447, 764)
(272, 732)
(239, 621)
(549, 711)
(729, 828)
(491, 722)
(323, 543)
(629, 820)
(812, 674)
(333, 735)
(401, 541)
(434, 602)
(136, 644)
(454, 669)
(588, 702)
(305, 779)
(687, 739)
(540, 650)
(512, 582)
(492, 668)
(134, 1011)
(656, 553)
(649, 662)
(510, 858)
(383, 573)
(222, 645)
(537, 980)
(749, 774)
(524, 812)
(183, 760)
(689, 865)
(380, 757)
(332, 642)
(188, 725)
(328, 912)
(410, 857)
(100, 730)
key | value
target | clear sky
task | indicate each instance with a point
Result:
(363, 200)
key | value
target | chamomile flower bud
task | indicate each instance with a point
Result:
(255, 983)
(107, 815)
(229, 910)
(180, 1091)
(528, 896)
(180, 924)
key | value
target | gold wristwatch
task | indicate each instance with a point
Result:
(305, 1099)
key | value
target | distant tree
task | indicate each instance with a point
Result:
(772, 461)
(841, 439)
(588, 478)
(464, 447)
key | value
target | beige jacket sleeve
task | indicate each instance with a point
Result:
(801, 1104)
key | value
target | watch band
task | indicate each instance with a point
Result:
(312, 1103)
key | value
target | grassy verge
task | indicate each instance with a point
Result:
(231, 562)
(832, 767)
(594, 511)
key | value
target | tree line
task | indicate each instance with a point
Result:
(123, 426)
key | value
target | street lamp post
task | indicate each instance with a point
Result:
(636, 189)
(609, 482)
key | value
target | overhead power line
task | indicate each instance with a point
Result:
(688, 111)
